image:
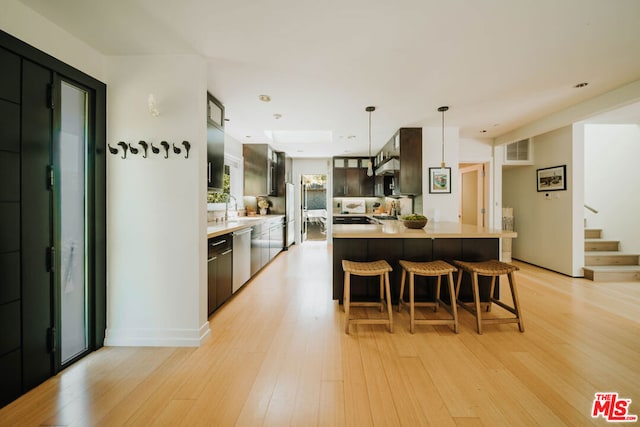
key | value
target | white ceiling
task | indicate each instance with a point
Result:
(498, 64)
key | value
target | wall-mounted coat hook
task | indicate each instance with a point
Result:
(176, 149)
(112, 150)
(165, 145)
(187, 147)
(145, 147)
(155, 149)
(124, 148)
(133, 149)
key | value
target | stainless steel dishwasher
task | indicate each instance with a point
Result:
(241, 258)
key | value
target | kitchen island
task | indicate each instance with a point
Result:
(391, 241)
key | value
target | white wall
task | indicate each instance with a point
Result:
(440, 207)
(156, 207)
(612, 182)
(32, 28)
(545, 226)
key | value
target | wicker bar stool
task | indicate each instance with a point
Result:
(372, 268)
(429, 269)
(493, 269)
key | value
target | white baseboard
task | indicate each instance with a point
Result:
(157, 337)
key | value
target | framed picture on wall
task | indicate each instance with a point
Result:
(439, 180)
(552, 179)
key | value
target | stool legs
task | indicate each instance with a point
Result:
(452, 297)
(477, 309)
(389, 308)
(385, 299)
(346, 300)
(452, 309)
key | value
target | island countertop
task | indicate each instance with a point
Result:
(393, 229)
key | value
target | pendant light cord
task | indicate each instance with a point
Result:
(443, 138)
(370, 162)
(369, 134)
(442, 110)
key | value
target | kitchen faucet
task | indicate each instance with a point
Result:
(235, 202)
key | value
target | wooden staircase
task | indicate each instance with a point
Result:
(605, 263)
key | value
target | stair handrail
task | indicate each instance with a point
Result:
(591, 209)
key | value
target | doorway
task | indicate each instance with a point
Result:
(472, 194)
(313, 207)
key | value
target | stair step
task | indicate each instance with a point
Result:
(601, 245)
(610, 258)
(592, 233)
(613, 273)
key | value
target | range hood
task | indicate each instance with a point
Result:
(388, 167)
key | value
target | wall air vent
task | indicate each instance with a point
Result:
(519, 152)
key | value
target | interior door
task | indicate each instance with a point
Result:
(472, 195)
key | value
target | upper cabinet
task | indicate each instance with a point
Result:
(262, 170)
(350, 177)
(401, 158)
(215, 142)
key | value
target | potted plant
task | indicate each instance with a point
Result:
(263, 204)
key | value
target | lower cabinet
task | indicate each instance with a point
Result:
(219, 271)
(267, 240)
(276, 239)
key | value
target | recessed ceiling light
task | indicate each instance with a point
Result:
(579, 85)
(264, 98)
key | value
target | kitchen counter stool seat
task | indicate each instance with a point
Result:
(493, 269)
(372, 268)
(429, 269)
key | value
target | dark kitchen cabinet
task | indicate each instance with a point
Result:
(406, 146)
(219, 271)
(352, 219)
(350, 177)
(261, 169)
(215, 143)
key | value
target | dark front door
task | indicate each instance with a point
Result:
(52, 204)
(38, 252)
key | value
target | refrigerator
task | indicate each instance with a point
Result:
(290, 209)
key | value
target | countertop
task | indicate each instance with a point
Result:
(393, 229)
(215, 229)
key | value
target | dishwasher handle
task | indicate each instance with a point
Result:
(242, 233)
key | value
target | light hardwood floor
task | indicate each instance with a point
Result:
(278, 356)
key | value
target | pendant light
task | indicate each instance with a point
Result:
(370, 164)
(442, 110)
